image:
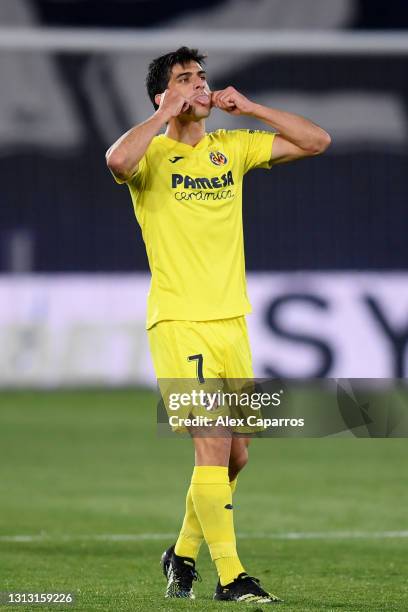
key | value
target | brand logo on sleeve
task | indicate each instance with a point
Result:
(218, 158)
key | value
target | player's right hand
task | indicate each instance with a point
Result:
(172, 104)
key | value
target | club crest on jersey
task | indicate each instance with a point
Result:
(217, 158)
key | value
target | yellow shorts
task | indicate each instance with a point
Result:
(203, 354)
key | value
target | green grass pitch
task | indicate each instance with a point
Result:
(78, 468)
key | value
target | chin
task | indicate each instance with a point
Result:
(201, 113)
(196, 114)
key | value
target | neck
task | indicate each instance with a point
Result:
(188, 132)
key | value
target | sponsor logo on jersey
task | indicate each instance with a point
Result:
(218, 158)
(202, 182)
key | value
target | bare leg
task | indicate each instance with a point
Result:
(214, 449)
(238, 456)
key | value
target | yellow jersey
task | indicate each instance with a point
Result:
(188, 203)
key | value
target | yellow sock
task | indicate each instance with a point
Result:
(212, 499)
(191, 535)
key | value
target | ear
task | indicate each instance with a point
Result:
(157, 99)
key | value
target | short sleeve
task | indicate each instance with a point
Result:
(137, 180)
(257, 148)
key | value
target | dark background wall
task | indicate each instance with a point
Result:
(112, 13)
(346, 210)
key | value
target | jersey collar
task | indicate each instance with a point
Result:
(182, 146)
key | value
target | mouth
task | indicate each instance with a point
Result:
(203, 99)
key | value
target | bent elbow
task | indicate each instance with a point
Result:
(322, 143)
(114, 161)
(116, 164)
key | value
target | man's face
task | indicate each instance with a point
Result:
(191, 81)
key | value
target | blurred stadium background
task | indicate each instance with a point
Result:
(326, 245)
(326, 252)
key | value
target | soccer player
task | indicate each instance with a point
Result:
(186, 188)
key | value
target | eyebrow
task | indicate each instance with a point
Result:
(183, 74)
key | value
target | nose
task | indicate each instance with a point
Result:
(199, 84)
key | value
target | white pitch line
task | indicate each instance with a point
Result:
(138, 537)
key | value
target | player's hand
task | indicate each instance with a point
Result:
(172, 104)
(232, 102)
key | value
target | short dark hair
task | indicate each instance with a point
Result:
(159, 71)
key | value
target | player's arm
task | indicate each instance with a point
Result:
(125, 154)
(297, 137)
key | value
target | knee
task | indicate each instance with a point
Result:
(237, 463)
(212, 450)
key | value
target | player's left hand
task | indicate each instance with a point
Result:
(231, 101)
